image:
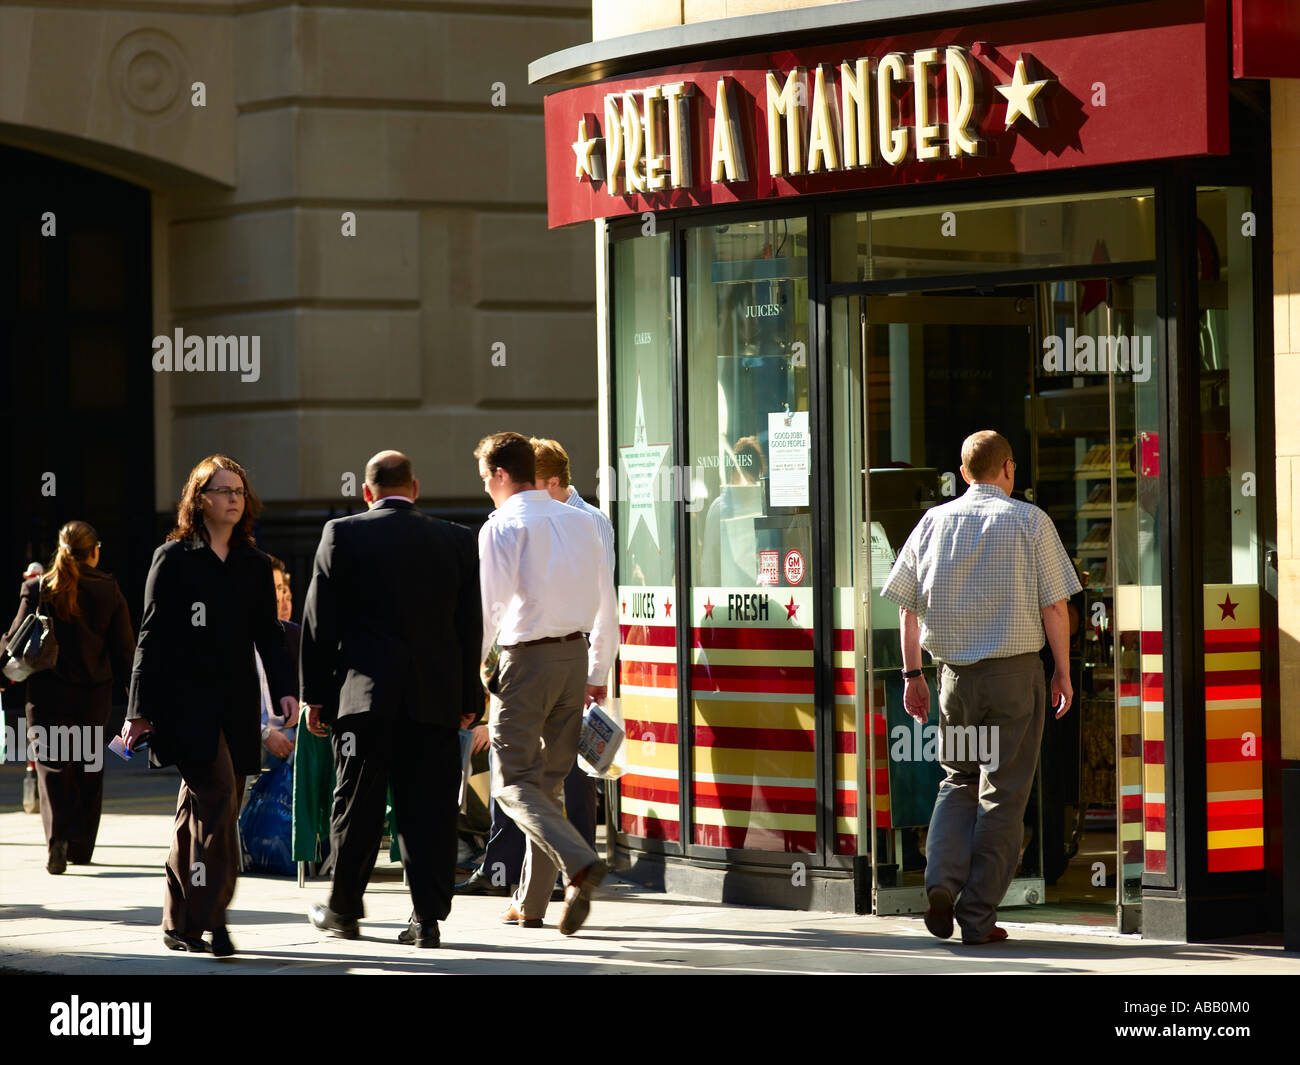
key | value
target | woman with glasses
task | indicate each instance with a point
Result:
(209, 601)
(72, 700)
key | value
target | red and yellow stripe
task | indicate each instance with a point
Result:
(753, 749)
(647, 673)
(1233, 721)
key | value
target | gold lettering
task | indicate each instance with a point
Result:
(855, 113)
(893, 142)
(655, 178)
(613, 141)
(963, 96)
(928, 145)
(677, 104)
(787, 101)
(824, 135)
(633, 129)
(728, 163)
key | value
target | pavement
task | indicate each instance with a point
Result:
(105, 919)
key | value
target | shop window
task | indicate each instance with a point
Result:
(750, 521)
(1082, 230)
(645, 490)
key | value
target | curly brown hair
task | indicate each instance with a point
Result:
(189, 513)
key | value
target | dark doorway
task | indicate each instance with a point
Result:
(76, 406)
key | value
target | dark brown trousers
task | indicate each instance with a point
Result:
(204, 860)
(72, 796)
(71, 800)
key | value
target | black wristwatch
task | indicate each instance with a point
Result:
(908, 674)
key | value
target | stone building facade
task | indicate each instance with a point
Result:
(358, 186)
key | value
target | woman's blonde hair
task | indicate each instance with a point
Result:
(77, 541)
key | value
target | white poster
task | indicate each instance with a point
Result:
(642, 463)
(789, 450)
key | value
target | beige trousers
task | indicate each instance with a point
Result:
(536, 715)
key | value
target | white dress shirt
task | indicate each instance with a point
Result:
(603, 525)
(542, 573)
(978, 572)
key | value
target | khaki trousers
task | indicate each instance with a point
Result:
(534, 722)
(978, 820)
(205, 855)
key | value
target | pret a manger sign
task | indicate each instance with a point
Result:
(1022, 96)
(817, 121)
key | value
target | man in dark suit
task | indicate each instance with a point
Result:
(391, 637)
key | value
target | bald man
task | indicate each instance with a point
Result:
(391, 635)
(980, 584)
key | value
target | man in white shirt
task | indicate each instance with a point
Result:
(553, 476)
(544, 585)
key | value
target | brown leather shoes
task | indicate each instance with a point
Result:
(938, 918)
(577, 896)
(513, 916)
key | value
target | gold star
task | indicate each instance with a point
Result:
(584, 148)
(1021, 95)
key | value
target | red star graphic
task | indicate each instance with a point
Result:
(791, 609)
(708, 609)
(668, 608)
(1229, 608)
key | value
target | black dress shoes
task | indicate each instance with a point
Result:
(174, 941)
(221, 945)
(478, 884)
(58, 857)
(421, 934)
(336, 924)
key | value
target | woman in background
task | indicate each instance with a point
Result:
(209, 600)
(93, 629)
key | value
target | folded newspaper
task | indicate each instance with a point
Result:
(601, 740)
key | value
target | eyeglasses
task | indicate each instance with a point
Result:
(229, 493)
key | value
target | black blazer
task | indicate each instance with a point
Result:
(194, 676)
(393, 618)
(95, 647)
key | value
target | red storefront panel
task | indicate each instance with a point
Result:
(1134, 82)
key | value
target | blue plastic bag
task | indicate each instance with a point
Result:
(266, 824)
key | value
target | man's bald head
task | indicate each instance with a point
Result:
(389, 474)
(984, 454)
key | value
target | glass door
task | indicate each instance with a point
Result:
(752, 600)
(935, 366)
(928, 369)
(1094, 418)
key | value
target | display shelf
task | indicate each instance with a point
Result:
(1096, 475)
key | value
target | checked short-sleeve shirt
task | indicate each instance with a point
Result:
(978, 571)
